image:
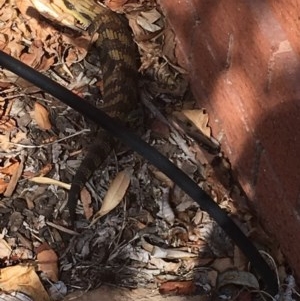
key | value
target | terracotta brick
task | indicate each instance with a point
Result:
(243, 62)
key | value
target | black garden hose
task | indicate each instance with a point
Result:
(154, 157)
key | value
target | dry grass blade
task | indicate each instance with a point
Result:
(49, 181)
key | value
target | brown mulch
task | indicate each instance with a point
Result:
(147, 233)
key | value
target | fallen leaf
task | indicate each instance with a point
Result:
(7, 123)
(45, 169)
(195, 124)
(17, 172)
(147, 20)
(41, 116)
(3, 185)
(23, 279)
(33, 58)
(2, 2)
(139, 33)
(152, 15)
(5, 142)
(5, 249)
(11, 168)
(41, 173)
(19, 136)
(241, 278)
(48, 264)
(200, 120)
(169, 45)
(115, 193)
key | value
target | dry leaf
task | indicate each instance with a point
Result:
(14, 178)
(48, 260)
(146, 25)
(199, 119)
(23, 279)
(5, 249)
(152, 15)
(7, 123)
(19, 136)
(41, 173)
(195, 124)
(139, 33)
(115, 193)
(2, 2)
(5, 142)
(169, 45)
(45, 169)
(3, 185)
(241, 278)
(10, 169)
(147, 19)
(33, 58)
(41, 116)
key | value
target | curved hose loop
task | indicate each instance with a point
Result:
(127, 137)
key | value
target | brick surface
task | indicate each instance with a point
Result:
(244, 67)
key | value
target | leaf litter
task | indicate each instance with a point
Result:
(145, 231)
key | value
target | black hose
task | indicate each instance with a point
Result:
(154, 157)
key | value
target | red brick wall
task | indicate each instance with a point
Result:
(244, 65)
